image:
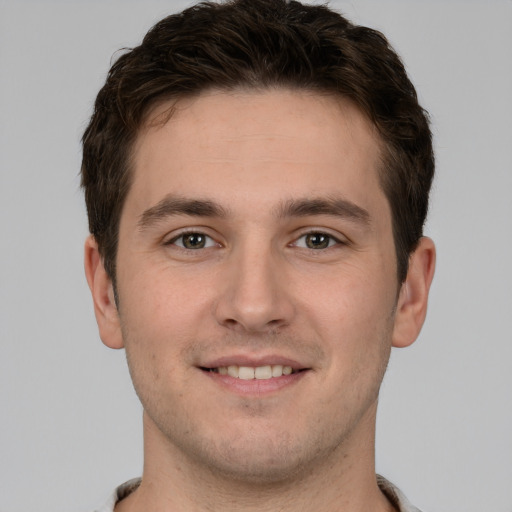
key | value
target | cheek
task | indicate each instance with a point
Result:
(354, 298)
(158, 303)
(353, 314)
(162, 314)
(153, 356)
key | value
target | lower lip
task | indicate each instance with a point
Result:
(256, 387)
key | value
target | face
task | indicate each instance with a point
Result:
(257, 285)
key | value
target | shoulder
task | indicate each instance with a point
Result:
(119, 493)
(395, 496)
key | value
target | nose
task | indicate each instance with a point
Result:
(254, 296)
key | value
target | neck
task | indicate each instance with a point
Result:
(343, 480)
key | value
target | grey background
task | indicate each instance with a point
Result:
(70, 421)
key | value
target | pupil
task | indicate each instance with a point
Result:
(317, 241)
(194, 241)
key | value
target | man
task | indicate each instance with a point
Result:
(256, 176)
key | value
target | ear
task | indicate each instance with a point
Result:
(412, 301)
(102, 292)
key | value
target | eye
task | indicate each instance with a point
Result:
(193, 241)
(316, 240)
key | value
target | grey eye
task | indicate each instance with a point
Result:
(193, 241)
(316, 240)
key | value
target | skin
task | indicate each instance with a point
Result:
(266, 282)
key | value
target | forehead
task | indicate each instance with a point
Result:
(272, 143)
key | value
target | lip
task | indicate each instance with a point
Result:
(245, 360)
(255, 387)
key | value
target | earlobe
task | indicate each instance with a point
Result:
(413, 298)
(103, 298)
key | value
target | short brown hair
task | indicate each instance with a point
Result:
(259, 44)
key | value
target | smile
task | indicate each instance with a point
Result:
(249, 372)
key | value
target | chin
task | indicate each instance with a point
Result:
(274, 467)
(264, 460)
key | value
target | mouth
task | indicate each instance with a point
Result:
(265, 372)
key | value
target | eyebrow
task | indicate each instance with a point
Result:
(172, 205)
(332, 206)
(175, 205)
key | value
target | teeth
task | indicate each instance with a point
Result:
(277, 370)
(233, 371)
(246, 373)
(263, 372)
(249, 373)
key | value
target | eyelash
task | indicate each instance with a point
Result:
(210, 242)
(331, 240)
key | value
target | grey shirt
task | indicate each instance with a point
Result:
(393, 494)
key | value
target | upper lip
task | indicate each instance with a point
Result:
(253, 361)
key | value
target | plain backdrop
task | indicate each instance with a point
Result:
(70, 421)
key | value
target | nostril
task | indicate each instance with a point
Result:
(230, 323)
